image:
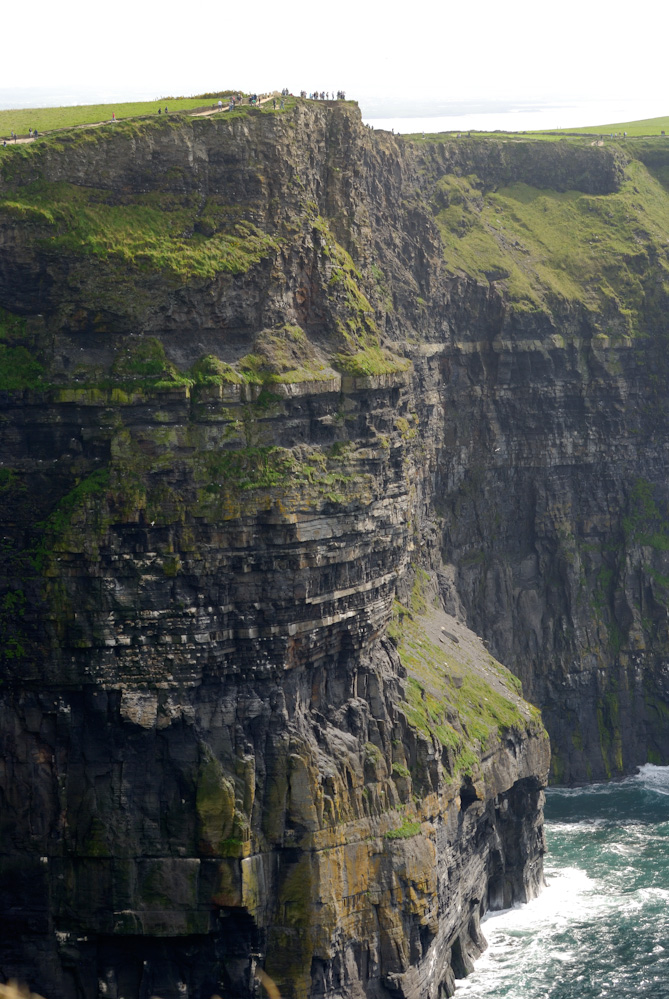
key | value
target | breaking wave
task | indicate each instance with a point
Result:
(601, 926)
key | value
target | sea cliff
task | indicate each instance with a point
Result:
(305, 431)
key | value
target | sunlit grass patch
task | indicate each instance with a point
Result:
(156, 233)
(19, 120)
(645, 126)
(545, 246)
(465, 701)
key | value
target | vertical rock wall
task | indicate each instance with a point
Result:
(209, 766)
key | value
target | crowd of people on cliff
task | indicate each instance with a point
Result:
(318, 95)
(32, 134)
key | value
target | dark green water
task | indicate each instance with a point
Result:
(601, 927)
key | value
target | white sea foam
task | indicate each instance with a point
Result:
(588, 790)
(561, 901)
(653, 894)
(561, 896)
(654, 778)
(599, 928)
(578, 827)
(526, 937)
(624, 849)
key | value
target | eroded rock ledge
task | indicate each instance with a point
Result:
(180, 836)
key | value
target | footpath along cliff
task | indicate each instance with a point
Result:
(306, 430)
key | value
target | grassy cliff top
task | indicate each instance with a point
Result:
(19, 120)
(646, 126)
(544, 246)
(570, 224)
(46, 119)
(632, 129)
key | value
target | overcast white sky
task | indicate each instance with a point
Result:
(518, 48)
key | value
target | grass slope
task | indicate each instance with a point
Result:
(455, 690)
(543, 247)
(646, 126)
(45, 119)
(643, 127)
(145, 233)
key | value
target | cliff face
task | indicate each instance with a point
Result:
(287, 405)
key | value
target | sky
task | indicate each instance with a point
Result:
(432, 50)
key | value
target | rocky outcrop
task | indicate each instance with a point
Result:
(182, 836)
(286, 405)
(211, 765)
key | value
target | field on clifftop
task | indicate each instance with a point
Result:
(19, 120)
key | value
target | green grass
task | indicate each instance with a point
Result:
(19, 369)
(210, 370)
(12, 327)
(283, 354)
(82, 502)
(309, 476)
(646, 524)
(645, 126)
(543, 247)
(405, 831)
(353, 315)
(157, 232)
(254, 467)
(429, 138)
(46, 119)
(370, 361)
(58, 120)
(140, 368)
(447, 697)
(399, 770)
(144, 362)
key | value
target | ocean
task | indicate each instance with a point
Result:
(601, 926)
(510, 116)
